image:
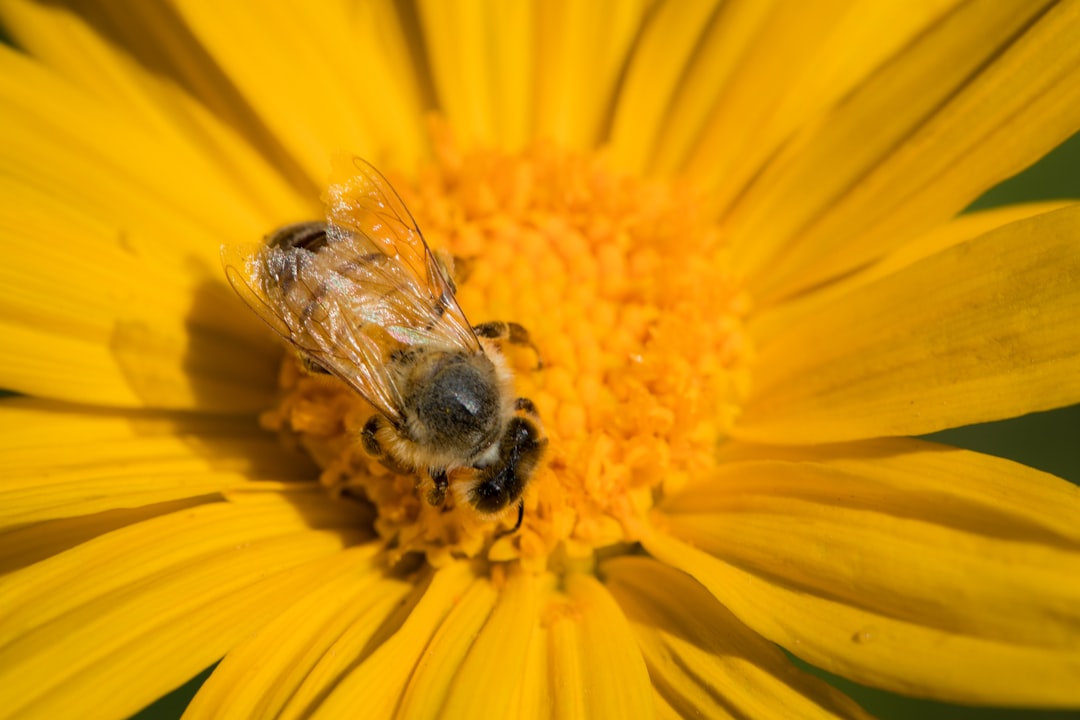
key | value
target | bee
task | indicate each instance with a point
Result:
(362, 297)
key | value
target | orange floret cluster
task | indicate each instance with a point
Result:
(621, 284)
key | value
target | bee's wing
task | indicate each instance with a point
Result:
(367, 206)
(372, 289)
(238, 261)
(324, 306)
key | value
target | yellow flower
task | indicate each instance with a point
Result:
(732, 231)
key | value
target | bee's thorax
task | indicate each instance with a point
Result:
(453, 405)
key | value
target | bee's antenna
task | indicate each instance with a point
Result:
(517, 525)
(521, 515)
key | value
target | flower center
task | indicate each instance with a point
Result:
(623, 288)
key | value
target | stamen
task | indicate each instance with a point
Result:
(621, 285)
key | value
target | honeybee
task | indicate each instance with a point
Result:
(362, 297)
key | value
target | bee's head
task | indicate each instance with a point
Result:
(456, 404)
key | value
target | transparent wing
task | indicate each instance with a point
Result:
(237, 261)
(367, 288)
(367, 206)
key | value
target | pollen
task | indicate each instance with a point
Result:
(621, 284)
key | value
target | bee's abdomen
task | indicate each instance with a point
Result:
(309, 236)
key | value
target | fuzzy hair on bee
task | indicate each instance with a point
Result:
(362, 297)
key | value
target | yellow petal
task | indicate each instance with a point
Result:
(514, 64)
(375, 687)
(261, 676)
(581, 50)
(326, 78)
(596, 667)
(703, 661)
(982, 331)
(160, 82)
(91, 318)
(435, 675)
(122, 560)
(118, 621)
(126, 303)
(349, 639)
(27, 545)
(960, 488)
(881, 651)
(915, 570)
(60, 461)
(669, 40)
(907, 566)
(664, 711)
(531, 697)
(764, 69)
(569, 678)
(497, 660)
(975, 98)
(457, 39)
(774, 320)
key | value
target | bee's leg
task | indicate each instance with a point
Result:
(311, 366)
(498, 330)
(456, 269)
(372, 446)
(517, 525)
(437, 494)
(511, 332)
(446, 263)
(368, 438)
(526, 407)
